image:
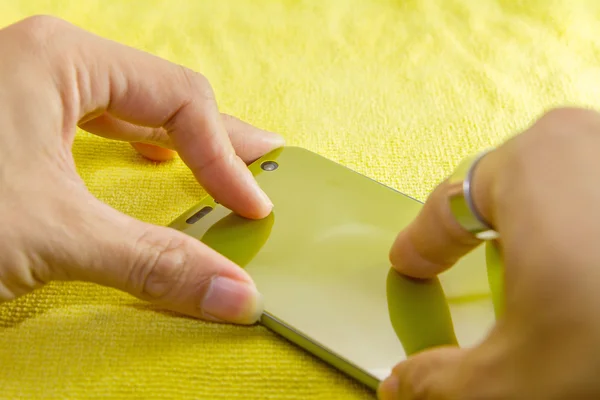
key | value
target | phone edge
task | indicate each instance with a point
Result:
(313, 347)
(280, 327)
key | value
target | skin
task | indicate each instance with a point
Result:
(539, 190)
(59, 77)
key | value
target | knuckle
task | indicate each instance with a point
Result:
(192, 89)
(41, 29)
(234, 128)
(17, 276)
(448, 222)
(558, 113)
(568, 122)
(229, 119)
(41, 21)
(196, 85)
(159, 136)
(161, 267)
(557, 133)
(220, 158)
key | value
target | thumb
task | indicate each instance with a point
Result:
(160, 265)
(430, 375)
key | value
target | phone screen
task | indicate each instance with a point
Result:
(321, 262)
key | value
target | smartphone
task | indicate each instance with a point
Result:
(320, 259)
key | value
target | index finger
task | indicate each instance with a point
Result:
(435, 240)
(96, 75)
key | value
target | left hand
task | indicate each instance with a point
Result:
(55, 77)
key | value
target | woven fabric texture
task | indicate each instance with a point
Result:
(397, 90)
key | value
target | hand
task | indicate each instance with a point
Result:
(540, 192)
(55, 77)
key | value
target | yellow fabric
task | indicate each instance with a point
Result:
(398, 90)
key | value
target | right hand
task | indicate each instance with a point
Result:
(541, 192)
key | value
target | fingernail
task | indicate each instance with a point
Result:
(264, 197)
(260, 194)
(233, 301)
(388, 389)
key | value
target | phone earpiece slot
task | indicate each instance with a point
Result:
(199, 215)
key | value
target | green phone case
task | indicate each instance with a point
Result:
(321, 261)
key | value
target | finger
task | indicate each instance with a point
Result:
(182, 102)
(444, 373)
(154, 153)
(249, 142)
(152, 143)
(434, 241)
(430, 375)
(146, 90)
(156, 264)
(110, 127)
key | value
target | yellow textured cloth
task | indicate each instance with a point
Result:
(398, 90)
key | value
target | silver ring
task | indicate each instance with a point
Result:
(462, 207)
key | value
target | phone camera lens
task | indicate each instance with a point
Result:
(269, 165)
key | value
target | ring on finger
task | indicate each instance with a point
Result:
(461, 201)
